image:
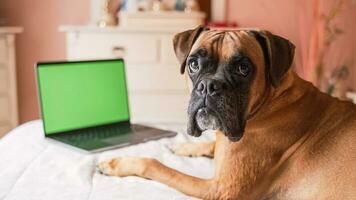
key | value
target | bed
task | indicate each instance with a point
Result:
(31, 167)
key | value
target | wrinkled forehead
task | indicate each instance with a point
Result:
(225, 44)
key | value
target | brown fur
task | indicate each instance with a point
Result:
(298, 143)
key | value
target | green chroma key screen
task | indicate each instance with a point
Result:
(78, 95)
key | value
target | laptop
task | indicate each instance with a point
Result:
(85, 104)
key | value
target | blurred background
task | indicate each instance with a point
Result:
(141, 32)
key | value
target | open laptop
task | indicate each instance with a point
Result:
(85, 104)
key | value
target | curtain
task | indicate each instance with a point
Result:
(323, 31)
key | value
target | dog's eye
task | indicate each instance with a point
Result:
(243, 69)
(193, 66)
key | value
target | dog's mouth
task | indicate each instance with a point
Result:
(201, 117)
(204, 118)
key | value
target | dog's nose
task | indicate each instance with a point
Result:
(209, 87)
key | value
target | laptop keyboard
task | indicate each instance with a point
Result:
(97, 134)
(118, 135)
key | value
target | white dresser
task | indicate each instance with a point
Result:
(8, 90)
(157, 91)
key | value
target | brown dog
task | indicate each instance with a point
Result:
(277, 136)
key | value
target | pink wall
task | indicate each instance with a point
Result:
(293, 20)
(40, 40)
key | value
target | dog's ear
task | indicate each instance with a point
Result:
(278, 53)
(183, 42)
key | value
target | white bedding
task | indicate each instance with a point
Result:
(32, 167)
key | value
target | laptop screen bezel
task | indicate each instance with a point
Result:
(39, 96)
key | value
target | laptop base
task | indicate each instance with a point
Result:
(112, 136)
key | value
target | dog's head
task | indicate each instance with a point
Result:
(230, 72)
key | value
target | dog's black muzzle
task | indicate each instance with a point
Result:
(213, 107)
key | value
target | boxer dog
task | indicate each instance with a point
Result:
(277, 136)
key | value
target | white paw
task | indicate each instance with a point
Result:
(124, 166)
(189, 149)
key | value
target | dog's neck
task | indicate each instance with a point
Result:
(268, 141)
(284, 107)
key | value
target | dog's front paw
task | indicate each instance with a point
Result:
(193, 150)
(125, 166)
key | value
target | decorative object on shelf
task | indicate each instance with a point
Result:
(161, 19)
(144, 5)
(108, 17)
(129, 6)
(169, 4)
(191, 6)
(180, 5)
(160, 14)
(157, 6)
(147, 5)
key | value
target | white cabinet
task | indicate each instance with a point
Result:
(8, 90)
(157, 90)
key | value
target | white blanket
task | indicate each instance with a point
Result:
(31, 167)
